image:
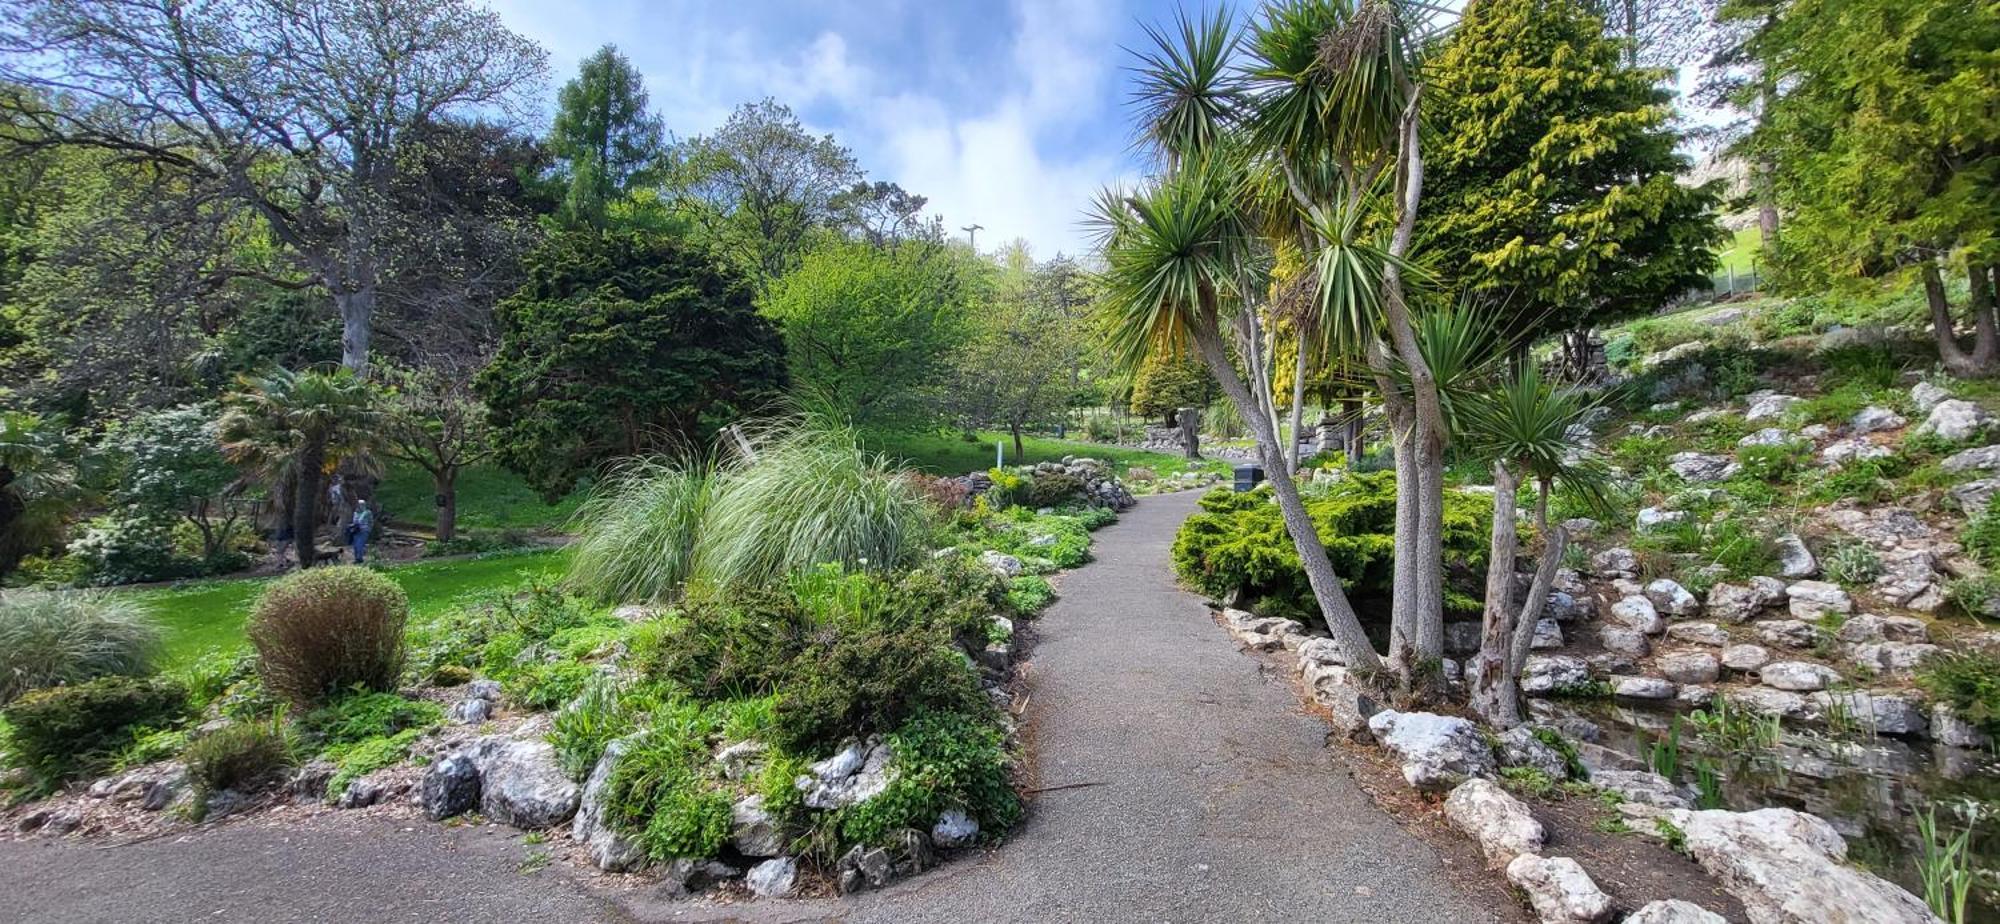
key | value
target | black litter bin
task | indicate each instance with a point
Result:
(1248, 476)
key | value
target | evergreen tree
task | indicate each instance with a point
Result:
(1551, 185)
(603, 135)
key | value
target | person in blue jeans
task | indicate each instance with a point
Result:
(359, 528)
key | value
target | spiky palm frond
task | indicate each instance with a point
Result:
(1525, 420)
(1174, 252)
(1187, 95)
(1330, 77)
(271, 416)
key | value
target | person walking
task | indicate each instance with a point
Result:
(359, 528)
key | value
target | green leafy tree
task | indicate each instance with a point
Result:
(761, 185)
(432, 419)
(38, 488)
(1886, 132)
(1019, 366)
(620, 344)
(604, 138)
(1551, 185)
(171, 462)
(291, 429)
(1167, 382)
(873, 330)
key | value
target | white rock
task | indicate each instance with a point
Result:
(1874, 418)
(522, 784)
(1841, 452)
(1924, 396)
(1560, 891)
(1618, 560)
(1982, 459)
(773, 878)
(1745, 657)
(1950, 728)
(1894, 658)
(1797, 676)
(1437, 751)
(610, 850)
(1001, 563)
(754, 831)
(857, 773)
(1955, 420)
(1549, 673)
(1813, 599)
(1638, 614)
(1671, 598)
(954, 829)
(1642, 688)
(1794, 559)
(1734, 602)
(1698, 633)
(1674, 911)
(1502, 824)
(1622, 640)
(1769, 436)
(1881, 712)
(1688, 666)
(1518, 747)
(1643, 787)
(1765, 405)
(1653, 517)
(1768, 701)
(1548, 635)
(1788, 867)
(1701, 467)
(1787, 633)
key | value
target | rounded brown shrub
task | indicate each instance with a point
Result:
(326, 631)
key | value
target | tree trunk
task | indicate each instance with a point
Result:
(305, 503)
(447, 513)
(1298, 404)
(1341, 621)
(1020, 454)
(1507, 632)
(1428, 612)
(357, 310)
(1765, 172)
(1954, 358)
(1403, 567)
(1351, 412)
(1986, 334)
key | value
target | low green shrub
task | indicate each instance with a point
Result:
(150, 745)
(324, 631)
(362, 715)
(1970, 682)
(61, 733)
(67, 637)
(1869, 365)
(492, 631)
(1982, 536)
(942, 761)
(1029, 594)
(1866, 480)
(660, 791)
(1238, 541)
(358, 759)
(717, 647)
(1774, 464)
(244, 756)
(1054, 489)
(856, 681)
(480, 541)
(547, 684)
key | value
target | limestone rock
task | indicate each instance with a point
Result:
(1745, 657)
(1787, 633)
(1893, 658)
(1623, 641)
(1560, 891)
(1882, 712)
(773, 878)
(1001, 563)
(1734, 602)
(1798, 676)
(954, 828)
(1548, 635)
(1502, 824)
(1769, 701)
(1925, 395)
(1701, 467)
(1436, 750)
(1688, 666)
(1788, 867)
(754, 831)
(1982, 459)
(1643, 688)
(1955, 420)
(856, 773)
(450, 787)
(1549, 673)
(1518, 747)
(1950, 728)
(609, 849)
(1674, 911)
(1669, 597)
(521, 784)
(1813, 599)
(1841, 452)
(1618, 560)
(1973, 496)
(1794, 559)
(1643, 787)
(1698, 633)
(1867, 627)
(1769, 436)
(1655, 517)
(1638, 614)
(1767, 405)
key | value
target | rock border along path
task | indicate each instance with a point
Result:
(1197, 790)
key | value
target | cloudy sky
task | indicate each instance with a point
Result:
(1005, 113)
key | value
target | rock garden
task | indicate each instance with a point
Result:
(788, 674)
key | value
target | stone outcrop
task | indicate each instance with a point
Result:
(1559, 890)
(1500, 823)
(1787, 867)
(1436, 751)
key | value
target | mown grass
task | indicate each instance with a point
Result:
(208, 616)
(1744, 252)
(943, 453)
(489, 497)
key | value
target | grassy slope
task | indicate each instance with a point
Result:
(947, 454)
(489, 497)
(1742, 253)
(208, 616)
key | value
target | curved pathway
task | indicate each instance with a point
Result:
(1197, 791)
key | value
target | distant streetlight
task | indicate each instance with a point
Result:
(972, 236)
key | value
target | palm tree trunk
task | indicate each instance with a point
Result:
(305, 502)
(1341, 621)
(1298, 405)
(1507, 632)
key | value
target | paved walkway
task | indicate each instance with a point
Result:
(1209, 797)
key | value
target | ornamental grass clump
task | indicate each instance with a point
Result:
(638, 533)
(48, 639)
(324, 632)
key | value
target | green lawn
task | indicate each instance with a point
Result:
(489, 497)
(1744, 254)
(208, 616)
(948, 454)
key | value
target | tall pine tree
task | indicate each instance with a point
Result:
(604, 138)
(1552, 176)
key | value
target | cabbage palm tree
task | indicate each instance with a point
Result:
(1523, 422)
(291, 429)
